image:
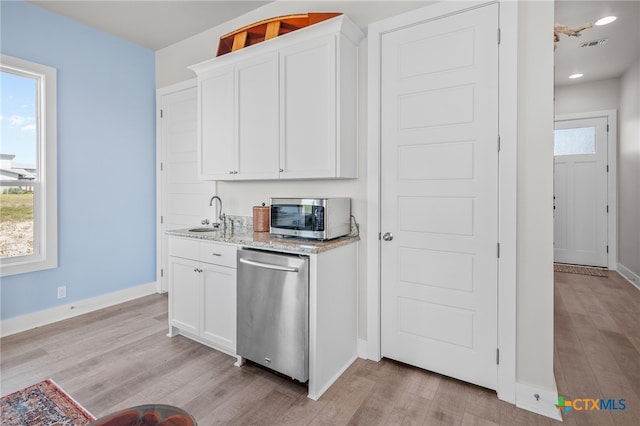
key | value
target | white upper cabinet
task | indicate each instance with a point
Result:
(257, 117)
(216, 124)
(282, 109)
(308, 112)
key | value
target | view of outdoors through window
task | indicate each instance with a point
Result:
(18, 163)
(577, 141)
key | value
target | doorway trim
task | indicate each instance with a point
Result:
(612, 177)
(161, 285)
(507, 117)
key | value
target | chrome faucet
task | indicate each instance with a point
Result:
(221, 216)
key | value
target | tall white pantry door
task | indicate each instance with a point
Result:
(184, 197)
(439, 210)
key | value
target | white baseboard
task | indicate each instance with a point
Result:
(316, 393)
(544, 404)
(362, 348)
(629, 275)
(25, 322)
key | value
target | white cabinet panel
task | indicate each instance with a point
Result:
(308, 109)
(184, 288)
(218, 254)
(202, 292)
(216, 124)
(257, 116)
(219, 313)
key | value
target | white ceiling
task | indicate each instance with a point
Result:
(609, 60)
(156, 24)
(153, 24)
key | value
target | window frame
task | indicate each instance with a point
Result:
(45, 196)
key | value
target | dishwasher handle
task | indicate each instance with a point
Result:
(268, 266)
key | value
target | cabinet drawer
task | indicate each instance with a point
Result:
(218, 254)
(187, 249)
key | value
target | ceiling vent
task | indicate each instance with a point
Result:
(593, 43)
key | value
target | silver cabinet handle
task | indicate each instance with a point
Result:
(216, 254)
(268, 266)
(388, 236)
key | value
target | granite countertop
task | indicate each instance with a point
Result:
(245, 237)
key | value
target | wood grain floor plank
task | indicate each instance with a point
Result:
(471, 420)
(341, 408)
(120, 357)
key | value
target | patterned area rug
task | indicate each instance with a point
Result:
(576, 269)
(42, 404)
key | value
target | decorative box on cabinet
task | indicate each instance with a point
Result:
(282, 109)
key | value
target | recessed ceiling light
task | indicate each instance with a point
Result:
(576, 75)
(606, 20)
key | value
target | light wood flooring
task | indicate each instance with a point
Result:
(120, 357)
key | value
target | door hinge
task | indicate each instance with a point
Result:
(161, 167)
(161, 273)
(607, 168)
(497, 356)
(161, 220)
(607, 128)
(379, 235)
(607, 249)
(161, 113)
(498, 247)
(498, 143)
(498, 35)
(607, 208)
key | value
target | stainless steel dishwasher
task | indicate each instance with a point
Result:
(273, 311)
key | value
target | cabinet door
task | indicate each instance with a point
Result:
(184, 294)
(216, 124)
(257, 117)
(308, 109)
(219, 310)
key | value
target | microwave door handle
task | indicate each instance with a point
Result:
(268, 266)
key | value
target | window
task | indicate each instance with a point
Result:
(28, 187)
(581, 140)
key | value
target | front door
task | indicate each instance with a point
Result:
(439, 212)
(580, 192)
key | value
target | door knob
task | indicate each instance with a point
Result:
(388, 236)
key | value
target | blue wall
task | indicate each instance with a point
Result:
(106, 159)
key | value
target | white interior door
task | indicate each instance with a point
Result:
(184, 198)
(439, 172)
(580, 192)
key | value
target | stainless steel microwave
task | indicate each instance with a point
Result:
(317, 218)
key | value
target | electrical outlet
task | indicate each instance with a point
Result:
(62, 292)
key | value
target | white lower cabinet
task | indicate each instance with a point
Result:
(202, 303)
(202, 292)
(218, 318)
(184, 290)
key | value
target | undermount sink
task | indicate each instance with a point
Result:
(204, 229)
